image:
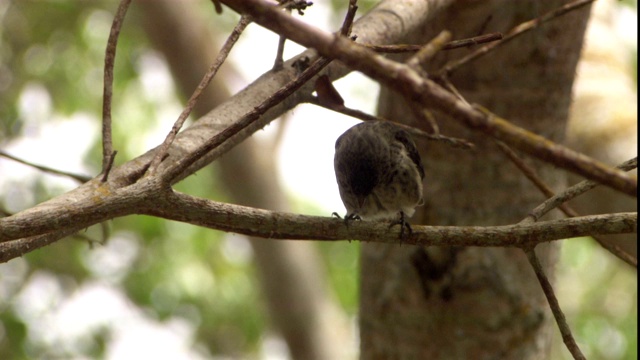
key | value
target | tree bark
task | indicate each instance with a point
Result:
(473, 303)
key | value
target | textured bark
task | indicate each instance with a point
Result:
(292, 277)
(472, 303)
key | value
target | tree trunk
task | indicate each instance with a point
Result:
(475, 303)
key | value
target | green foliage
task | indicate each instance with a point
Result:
(61, 46)
(343, 271)
(14, 332)
(598, 294)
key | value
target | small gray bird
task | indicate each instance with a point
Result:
(379, 172)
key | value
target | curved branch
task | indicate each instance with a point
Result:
(280, 225)
(148, 197)
(567, 336)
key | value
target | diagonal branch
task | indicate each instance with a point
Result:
(567, 336)
(573, 192)
(565, 208)
(251, 117)
(454, 44)
(213, 70)
(407, 81)
(521, 29)
(77, 177)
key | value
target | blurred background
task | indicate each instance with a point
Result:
(144, 287)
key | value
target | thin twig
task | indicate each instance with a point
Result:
(419, 59)
(77, 177)
(107, 170)
(347, 23)
(217, 6)
(424, 115)
(277, 64)
(476, 40)
(443, 80)
(246, 120)
(213, 69)
(107, 96)
(531, 174)
(574, 191)
(288, 6)
(522, 28)
(455, 44)
(617, 251)
(254, 115)
(452, 141)
(567, 336)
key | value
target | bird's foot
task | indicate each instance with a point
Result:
(347, 218)
(403, 225)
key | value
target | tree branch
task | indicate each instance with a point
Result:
(567, 336)
(279, 225)
(565, 208)
(521, 29)
(109, 62)
(151, 198)
(46, 169)
(573, 192)
(213, 70)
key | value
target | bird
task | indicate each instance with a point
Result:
(379, 173)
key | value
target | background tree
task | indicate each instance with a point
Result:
(168, 268)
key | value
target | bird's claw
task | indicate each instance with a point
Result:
(403, 224)
(347, 218)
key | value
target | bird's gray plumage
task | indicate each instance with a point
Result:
(379, 171)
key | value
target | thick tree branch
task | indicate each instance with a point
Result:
(105, 203)
(148, 197)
